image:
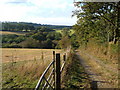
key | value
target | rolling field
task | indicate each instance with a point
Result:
(22, 68)
(12, 54)
(60, 31)
(8, 32)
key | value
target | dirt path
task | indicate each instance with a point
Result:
(100, 74)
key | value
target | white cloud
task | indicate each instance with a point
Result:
(39, 11)
(12, 1)
(56, 21)
(12, 11)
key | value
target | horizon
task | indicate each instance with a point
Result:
(31, 22)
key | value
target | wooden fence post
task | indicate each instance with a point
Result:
(42, 56)
(54, 68)
(58, 74)
(64, 57)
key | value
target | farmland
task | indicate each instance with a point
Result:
(8, 32)
(92, 46)
(22, 68)
(71, 31)
(25, 54)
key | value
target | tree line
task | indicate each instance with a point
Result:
(98, 21)
(97, 27)
(25, 26)
(41, 38)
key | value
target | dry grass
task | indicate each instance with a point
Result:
(32, 69)
(15, 55)
(102, 52)
(103, 62)
(106, 71)
(7, 32)
(24, 66)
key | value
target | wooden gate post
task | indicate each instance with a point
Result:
(54, 68)
(64, 57)
(58, 74)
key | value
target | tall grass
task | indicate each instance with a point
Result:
(25, 73)
(22, 68)
(32, 69)
(74, 76)
(19, 72)
(104, 51)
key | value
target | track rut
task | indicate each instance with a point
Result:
(100, 75)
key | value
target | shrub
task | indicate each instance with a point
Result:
(30, 43)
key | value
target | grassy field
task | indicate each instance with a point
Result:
(71, 31)
(60, 31)
(15, 54)
(8, 32)
(22, 68)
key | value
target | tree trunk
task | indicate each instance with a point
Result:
(117, 30)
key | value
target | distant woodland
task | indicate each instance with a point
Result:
(25, 26)
(35, 35)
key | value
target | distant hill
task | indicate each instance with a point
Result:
(26, 26)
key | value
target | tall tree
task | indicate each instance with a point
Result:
(99, 11)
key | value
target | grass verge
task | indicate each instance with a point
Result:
(74, 76)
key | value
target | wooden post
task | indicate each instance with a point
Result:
(118, 25)
(54, 68)
(58, 74)
(42, 57)
(64, 57)
(53, 55)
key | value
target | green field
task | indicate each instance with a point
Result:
(60, 31)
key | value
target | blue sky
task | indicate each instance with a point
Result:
(57, 12)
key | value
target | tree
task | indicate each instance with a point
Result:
(30, 43)
(51, 35)
(39, 36)
(58, 36)
(74, 41)
(65, 32)
(54, 36)
(100, 11)
(65, 43)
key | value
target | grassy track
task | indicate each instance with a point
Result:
(99, 70)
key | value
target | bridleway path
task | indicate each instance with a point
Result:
(100, 74)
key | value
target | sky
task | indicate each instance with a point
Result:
(55, 12)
